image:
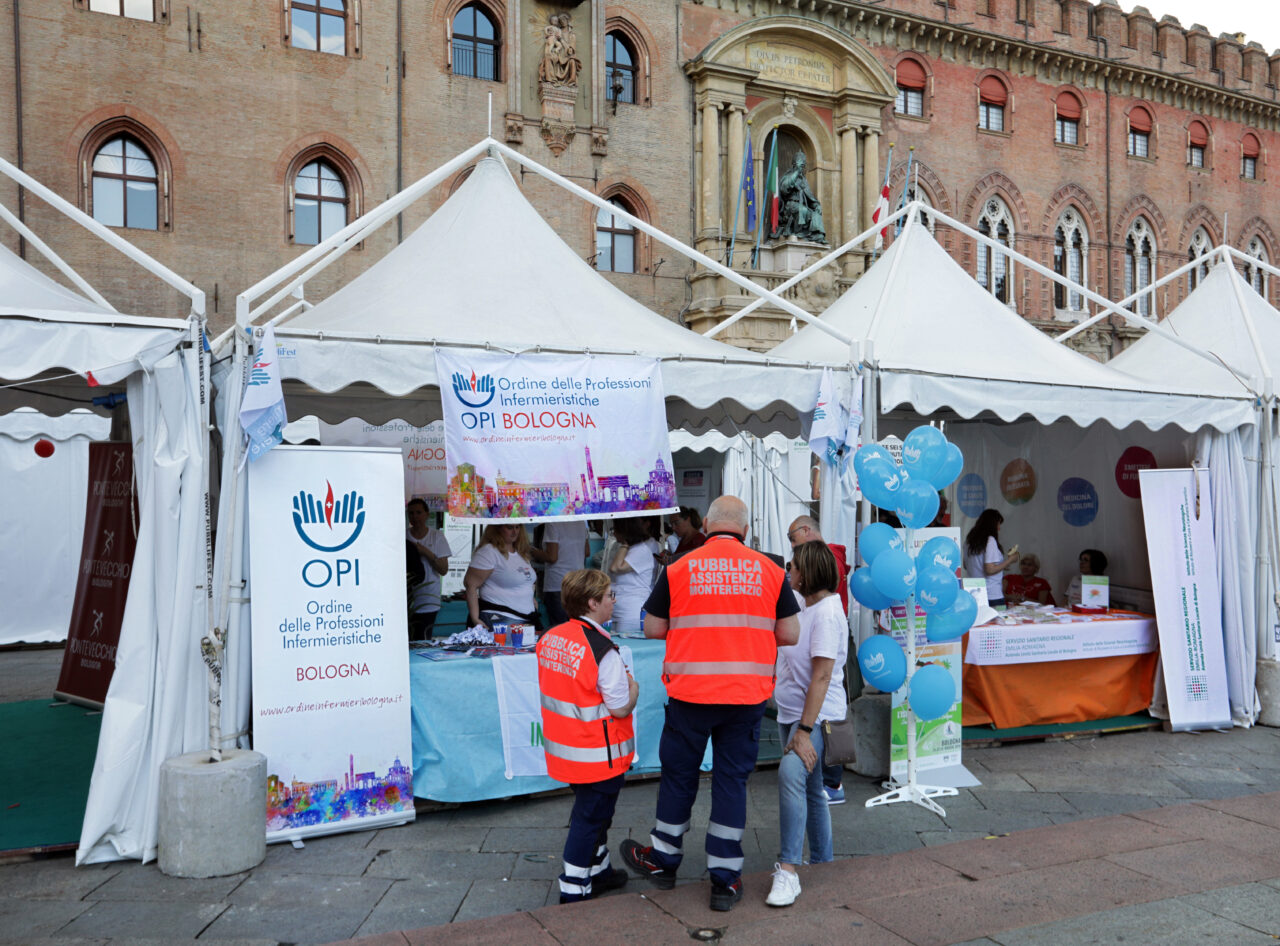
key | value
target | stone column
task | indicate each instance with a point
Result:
(733, 173)
(870, 174)
(711, 216)
(850, 221)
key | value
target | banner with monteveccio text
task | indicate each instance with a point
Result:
(330, 638)
(106, 564)
(1177, 514)
(545, 436)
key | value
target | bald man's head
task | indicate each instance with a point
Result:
(728, 514)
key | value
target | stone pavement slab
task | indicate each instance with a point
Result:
(411, 904)
(1199, 865)
(1263, 810)
(834, 926)
(627, 919)
(1256, 906)
(1161, 923)
(53, 879)
(299, 908)
(21, 920)
(1198, 821)
(115, 919)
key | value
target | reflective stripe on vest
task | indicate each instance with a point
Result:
(722, 620)
(727, 666)
(591, 754)
(588, 714)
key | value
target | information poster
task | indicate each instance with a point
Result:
(106, 563)
(538, 436)
(422, 449)
(330, 639)
(1177, 513)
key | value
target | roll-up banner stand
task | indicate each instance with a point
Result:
(330, 639)
(1177, 510)
(106, 563)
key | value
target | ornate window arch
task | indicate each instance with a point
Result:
(323, 193)
(1200, 246)
(995, 269)
(1139, 262)
(1256, 275)
(993, 101)
(636, 76)
(475, 42)
(1070, 259)
(125, 175)
(912, 79)
(1141, 128)
(615, 240)
(1250, 152)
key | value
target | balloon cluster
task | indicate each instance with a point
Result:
(890, 576)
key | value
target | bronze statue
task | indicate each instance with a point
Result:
(799, 213)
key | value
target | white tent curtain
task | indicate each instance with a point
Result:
(753, 472)
(157, 704)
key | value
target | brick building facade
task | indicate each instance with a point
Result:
(1103, 142)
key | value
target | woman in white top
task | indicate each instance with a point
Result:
(810, 689)
(500, 579)
(433, 549)
(631, 570)
(984, 558)
(564, 549)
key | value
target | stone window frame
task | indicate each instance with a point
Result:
(1149, 136)
(497, 14)
(1200, 248)
(1140, 231)
(1245, 157)
(636, 205)
(1006, 110)
(995, 211)
(636, 39)
(159, 11)
(1205, 155)
(104, 132)
(1071, 224)
(347, 172)
(1256, 276)
(1081, 124)
(354, 46)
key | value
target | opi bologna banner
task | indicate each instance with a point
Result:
(330, 638)
(539, 436)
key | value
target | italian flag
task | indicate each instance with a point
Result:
(771, 187)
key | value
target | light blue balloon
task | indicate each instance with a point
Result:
(876, 538)
(936, 588)
(864, 590)
(871, 451)
(949, 469)
(939, 551)
(923, 452)
(881, 480)
(932, 692)
(883, 663)
(894, 574)
(916, 504)
(952, 623)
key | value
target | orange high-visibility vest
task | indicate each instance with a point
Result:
(583, 741)
(720, 641)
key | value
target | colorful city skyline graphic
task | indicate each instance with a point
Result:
(470, 494)
(298, 804)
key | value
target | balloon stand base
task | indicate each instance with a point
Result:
(922, 795)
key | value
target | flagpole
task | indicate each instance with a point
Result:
(770, 171)
(906, 185)
(742, 183)
(888, 169)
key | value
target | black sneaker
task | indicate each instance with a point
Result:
(723, 898)
(610, 881)
(640, 860)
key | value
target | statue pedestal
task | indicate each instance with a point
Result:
(791, 255)
(558, 124)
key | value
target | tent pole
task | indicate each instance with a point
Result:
(870, 412)
(62, 266)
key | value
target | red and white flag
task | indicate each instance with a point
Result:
(881, 212)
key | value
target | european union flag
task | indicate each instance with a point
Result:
(749, 185)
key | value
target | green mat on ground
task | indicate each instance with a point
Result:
(47, 759)
(1110, 724)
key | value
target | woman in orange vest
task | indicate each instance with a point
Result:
(587, 733)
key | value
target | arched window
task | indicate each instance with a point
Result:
(1200, 247)
(615, 241)
(1197, 144)
(992, 98)
(911, 81)
(995, 269)
(132, 9)
(1256, 275)
(1139, 263)
(918, 193)
(788, 147)
(619, 68)
(126, 185)
(1070, 253)
(320, 202)
(1249, 151)
(1140, 133)
(319, 24)
(1067, 112)
(474, 44)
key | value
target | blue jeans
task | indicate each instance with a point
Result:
(802, 804)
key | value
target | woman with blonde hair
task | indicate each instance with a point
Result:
(499, 582)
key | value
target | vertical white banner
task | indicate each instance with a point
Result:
(1178, 515)
(330, 639)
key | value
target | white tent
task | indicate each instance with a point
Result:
(55, 341)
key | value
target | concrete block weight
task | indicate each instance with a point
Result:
(1269, 691)
(871, 733)
(213, 815)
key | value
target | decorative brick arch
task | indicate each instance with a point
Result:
(647, 49)
(100, 126)
(340, 154)
(441, 22)
(1256, 226)
(1199, 216)
(929, 182)
(999, 184)
(1072, 195)
(1146, 207)
(639, 202)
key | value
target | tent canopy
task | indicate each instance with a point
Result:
(942, 341)
(486, 271)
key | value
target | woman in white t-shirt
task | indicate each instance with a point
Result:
(984, 558)
(809, 689)
(564, 549)
(631, 570)
(433, 550)
(500, 579)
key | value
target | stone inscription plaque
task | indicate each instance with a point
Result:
(795, 65)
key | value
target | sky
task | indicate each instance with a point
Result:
(1259, 20)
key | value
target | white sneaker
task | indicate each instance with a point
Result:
(786, 887)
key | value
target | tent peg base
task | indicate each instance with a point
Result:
(922, 795)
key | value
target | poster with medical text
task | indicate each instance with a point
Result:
(330, 638)
(422, 449)
(554, 437)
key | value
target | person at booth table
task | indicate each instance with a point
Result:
(1092, 562)
(984, 557)
(631, 568)
(433, 549)
(1027, 586)
(587, 730)
(500, 579)
(687, 527)
(559, 539)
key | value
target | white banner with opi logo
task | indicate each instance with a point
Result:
(538, 436)
(330, 638)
